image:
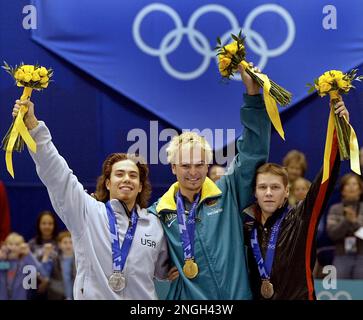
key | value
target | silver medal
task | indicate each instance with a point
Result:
(117, 281)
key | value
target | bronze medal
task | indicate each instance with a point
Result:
(190, 269)
(267, 289)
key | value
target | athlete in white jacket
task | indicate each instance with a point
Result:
(125, 184)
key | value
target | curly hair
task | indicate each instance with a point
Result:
(102, 194)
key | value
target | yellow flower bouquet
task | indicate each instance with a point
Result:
(335, 83)
(31, 77)
(231, 56)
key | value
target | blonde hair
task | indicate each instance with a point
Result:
(191, 139)
(305, 181)
(297, 157)
(63, 234)
(13, 237)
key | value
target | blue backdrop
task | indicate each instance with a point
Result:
(122, 64)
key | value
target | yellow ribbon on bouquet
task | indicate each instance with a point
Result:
(30, 77)
(353, 141)
(19, 128)
(270, 103)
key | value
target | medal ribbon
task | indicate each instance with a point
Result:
(186, 226)
(119, 254)
(264, 267)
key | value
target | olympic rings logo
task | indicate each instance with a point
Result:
(200, 43)
(326, 295)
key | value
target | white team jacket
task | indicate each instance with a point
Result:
(86, 219)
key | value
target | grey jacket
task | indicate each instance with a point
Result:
(339, 227)
(86, 219)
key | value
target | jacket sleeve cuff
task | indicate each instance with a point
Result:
(40, 133)
(255, 101)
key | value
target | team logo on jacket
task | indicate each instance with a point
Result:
(148, 242)
(170, 218)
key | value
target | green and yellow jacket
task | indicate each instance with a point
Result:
(219, 242)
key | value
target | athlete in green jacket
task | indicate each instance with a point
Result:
(206, 241)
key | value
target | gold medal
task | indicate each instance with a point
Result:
(190, 269)
(267, 289)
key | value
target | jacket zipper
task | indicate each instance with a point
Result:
(204, 251)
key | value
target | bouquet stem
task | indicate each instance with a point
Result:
(343, 133)
(19, 142)
(281, 95)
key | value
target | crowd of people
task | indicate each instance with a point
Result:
(49, 252)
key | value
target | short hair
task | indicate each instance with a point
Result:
(274, 169)
(344, 180)
(297, 157)
(62, 235)
(102, 194)
(188, 138)
(306, 181)
(14, 236)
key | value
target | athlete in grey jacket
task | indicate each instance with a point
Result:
(102, 271)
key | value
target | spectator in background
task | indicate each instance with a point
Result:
(296, 165)
(4, 213)
(46, 232)
(299, 190)
(344, 219)
(61, 270)
(14, 256)
(216, 172)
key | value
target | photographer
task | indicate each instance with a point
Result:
(344, 219)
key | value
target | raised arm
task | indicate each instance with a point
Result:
(319, 194)
(67, 195)
(252, 146)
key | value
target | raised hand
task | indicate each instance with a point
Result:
(252, 87)
(29, 119)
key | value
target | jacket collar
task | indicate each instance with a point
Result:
(167, 201)
(120, 208)
(254, 211)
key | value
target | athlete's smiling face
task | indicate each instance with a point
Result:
(124, 183)
(191, 169)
